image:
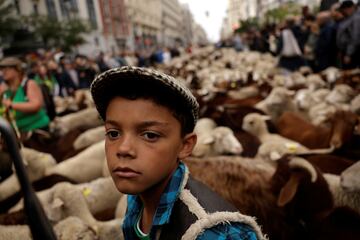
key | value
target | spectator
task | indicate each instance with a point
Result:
(22, 98)
(309, 49)
(290, 53)
(347, 34)
(325, 52)
(43, 76)
(84, 72)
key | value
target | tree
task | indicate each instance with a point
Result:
(53, 33)
(73, 31)
(280, 13)
(8, 23)
(49, 30)
(248, 24)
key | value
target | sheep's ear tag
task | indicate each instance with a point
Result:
(86, 192)
(209, 140)
(288, 192)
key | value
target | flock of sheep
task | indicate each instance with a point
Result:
(280, 146)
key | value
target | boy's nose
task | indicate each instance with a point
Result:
(126, 148)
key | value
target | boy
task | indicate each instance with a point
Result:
(149, 121)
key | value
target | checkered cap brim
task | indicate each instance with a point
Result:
(106, 81)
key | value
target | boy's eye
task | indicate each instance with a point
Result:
(112, 134)
(151, 136)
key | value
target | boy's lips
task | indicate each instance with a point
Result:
(125, 172)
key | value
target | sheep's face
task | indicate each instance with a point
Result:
(340, 94)
(350, 180)
(226, 142)
(143, 145)
(254, 123)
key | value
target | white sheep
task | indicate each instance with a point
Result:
(314, 82)
(321, 113)
(87, 118)
(355, 105)
(341, 94)
(63, 104)
(89, 137)
(341, 195)
(350, 178)
(121, 207)
(100, 195)
(203, 125)
(218, 141)
(71, 228)
(331, 74)
(83, 167)
(244, 92)
(279, 100)
(67, 200)
(36, 164)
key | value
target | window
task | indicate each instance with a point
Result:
(68, 7)
(92, 13)
(50, 5)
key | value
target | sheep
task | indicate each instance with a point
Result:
(319, 114)
(84, 119)
(203, 125)
(278, 101)
(71, 228)
(331, 74)
(67, 200)
(89, 137)
(36, 164)
(350, 180)
(314, 82)
(250, 191)
(273, 145)
(65, 104)
(84, 167)
(343, 196)
(305, 195)
(341, 94)
(100, 195)
(355, 105)
(243, 93)
(121, 207)
(218, 141)
(342, 125)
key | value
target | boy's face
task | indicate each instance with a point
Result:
(143, 144)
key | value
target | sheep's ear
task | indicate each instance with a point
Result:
(57, 203)
(54, 211)
(290, 93)
(288, 192)
(265, 117)
(274, 155)
(209, 140)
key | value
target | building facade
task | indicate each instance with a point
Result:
(145, 23)
(186, 27)
(107, 19)
(122, 24)
(170, 21)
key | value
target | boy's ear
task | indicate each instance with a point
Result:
(189, 142)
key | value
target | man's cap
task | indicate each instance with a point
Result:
(109, 83)
(11, 62)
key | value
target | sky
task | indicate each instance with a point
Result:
(212, 21)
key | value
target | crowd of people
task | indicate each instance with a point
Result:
(318, 40)
(29, 83)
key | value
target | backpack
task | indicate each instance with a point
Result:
(49, 103)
